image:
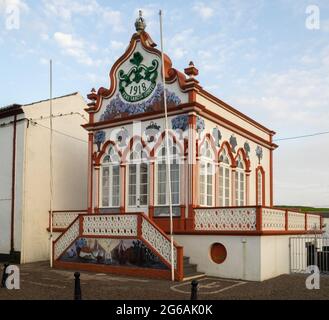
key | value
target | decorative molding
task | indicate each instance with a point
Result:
(122, 137)
(120, 109)
(136, 74)
(246, 148)
(200, 126)
(151, 131)
(233, 143)
(99, 139)
(259, 153)
(217, 136)
(180, 123)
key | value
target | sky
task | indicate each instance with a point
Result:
(261, 56)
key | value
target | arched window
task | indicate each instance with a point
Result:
(206, 177)
(224, 179)
(260, 196)
(240, 183)
(162, 194)
(138, 177)
(110, 190)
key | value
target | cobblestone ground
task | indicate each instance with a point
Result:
(39, 282)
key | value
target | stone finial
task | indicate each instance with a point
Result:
(140, 23)
(92, 96)
(191, 70)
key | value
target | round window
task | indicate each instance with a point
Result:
(218, 253)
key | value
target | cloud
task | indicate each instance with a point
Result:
(73, 47)
(203, 10)
(67, 9)
(117, 45)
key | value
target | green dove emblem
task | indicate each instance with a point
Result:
(140, 80)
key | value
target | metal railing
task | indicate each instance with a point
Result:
(309, 251)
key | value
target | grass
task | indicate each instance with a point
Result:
(305, 209)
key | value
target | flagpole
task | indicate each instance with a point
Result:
(168, 173)
(51, 161)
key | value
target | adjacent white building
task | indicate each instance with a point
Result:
(25, 172)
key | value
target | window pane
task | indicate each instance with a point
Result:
(105, 187)
(115, 186)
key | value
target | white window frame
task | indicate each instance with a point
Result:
(207, 160)
(110, 187)
(239, 174)
(110, 165)
(259, 188)
(225, 197)
(138, 184)
(162, 160)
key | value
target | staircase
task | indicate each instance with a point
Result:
(190, 270)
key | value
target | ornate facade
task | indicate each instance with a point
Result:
(221, 164)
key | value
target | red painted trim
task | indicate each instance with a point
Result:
(245, 159)
(161, 140)
(103, 151)
(131, 143)
(259, 220)
(234, 111)
(121, 270)
(13, 186)
(244, 233)
(286, 220)
(226, 145)
(211, 141)
(90, 171)
(203, 111)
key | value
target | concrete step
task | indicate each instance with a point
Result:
(190, 268)
(196, 275)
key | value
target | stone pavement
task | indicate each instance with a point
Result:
(39, 282)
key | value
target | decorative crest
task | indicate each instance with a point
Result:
(140, 23)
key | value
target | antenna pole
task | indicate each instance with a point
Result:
(168, 171)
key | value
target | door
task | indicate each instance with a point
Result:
(138, 187)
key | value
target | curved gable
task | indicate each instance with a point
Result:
(136, 83)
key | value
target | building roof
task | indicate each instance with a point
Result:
(55, 98)
(10, 107)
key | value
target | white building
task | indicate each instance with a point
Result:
(221, 181)
(25, 172)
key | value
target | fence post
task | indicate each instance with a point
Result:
(194, 290)
(4, 276)
(77, 287)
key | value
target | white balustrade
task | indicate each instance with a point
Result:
(158, 241)
(61, 220)
(313, 222)
(273, 219)
(110, 225)
(296, 221)
(65, 240)
(225, 219)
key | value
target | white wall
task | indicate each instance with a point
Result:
(243, 255)
(70, 171)
(252, 258)
(6, 138)
(6, 160)
(274, 256)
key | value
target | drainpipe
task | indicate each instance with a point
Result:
(13, 185)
